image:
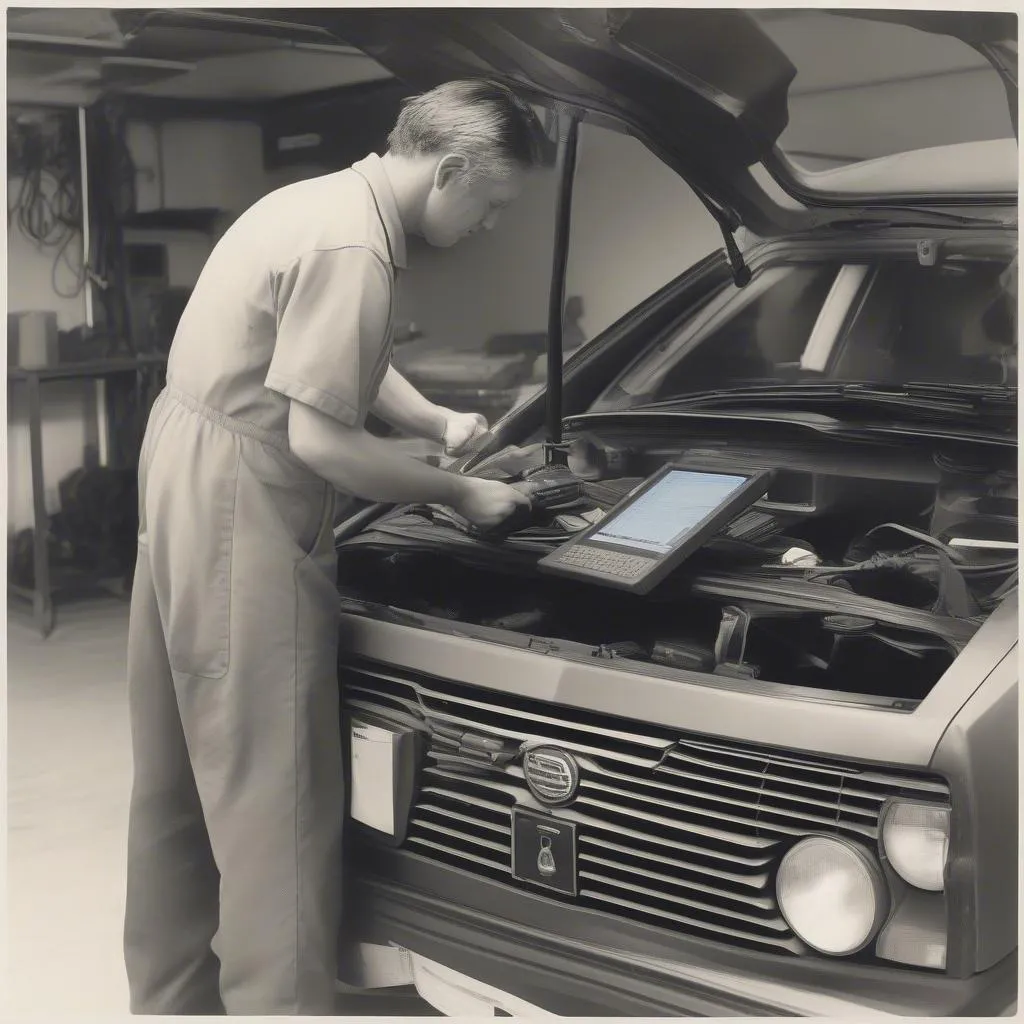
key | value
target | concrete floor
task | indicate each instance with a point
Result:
(69, 778)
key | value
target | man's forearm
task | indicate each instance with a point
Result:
(360, 464)
(401, 405)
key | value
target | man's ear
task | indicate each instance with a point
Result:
(449, 168)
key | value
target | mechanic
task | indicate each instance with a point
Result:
(233, 892)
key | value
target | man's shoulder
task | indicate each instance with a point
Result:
(310, 193)
(328, 211)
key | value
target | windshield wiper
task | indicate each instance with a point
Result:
(974, 396)
(928, 217)
(925, 397)
(995, 393)
(931, 213)
(757, 392)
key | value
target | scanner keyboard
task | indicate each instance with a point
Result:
(613, 563)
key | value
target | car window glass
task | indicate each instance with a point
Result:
(903, 323)
(922, 324)
(636, 225)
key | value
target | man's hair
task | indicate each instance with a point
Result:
(495, 129)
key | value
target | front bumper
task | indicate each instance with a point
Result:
(575, 962)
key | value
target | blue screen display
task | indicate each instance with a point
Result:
(670, 510)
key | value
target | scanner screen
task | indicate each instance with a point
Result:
(662, 517)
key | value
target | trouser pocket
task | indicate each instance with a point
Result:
(191, 497)
(282, 500)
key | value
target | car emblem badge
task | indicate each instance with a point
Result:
(544, 851)
(552, 775)
(546, 858)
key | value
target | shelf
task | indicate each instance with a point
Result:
(203, 221)
(88, 368)
(70, 582)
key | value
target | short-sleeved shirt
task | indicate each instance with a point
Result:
(296, 302)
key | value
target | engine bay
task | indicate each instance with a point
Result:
(864, 570)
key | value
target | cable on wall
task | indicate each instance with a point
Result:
(43, 152)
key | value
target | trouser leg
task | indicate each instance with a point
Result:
(172, 891)
(252, 624)
(266, 752)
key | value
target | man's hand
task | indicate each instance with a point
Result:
(401, 405)
(487, 503)
(461, 429)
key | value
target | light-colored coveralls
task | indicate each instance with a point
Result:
(233, 894)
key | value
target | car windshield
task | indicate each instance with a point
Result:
(867, 88)
(887, 324)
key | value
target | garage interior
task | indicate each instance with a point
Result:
(139, 137)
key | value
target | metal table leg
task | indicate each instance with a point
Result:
(42, 601)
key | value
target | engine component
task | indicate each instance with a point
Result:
(848, 625)
(800, 557)
(621, 649)
(683, 655)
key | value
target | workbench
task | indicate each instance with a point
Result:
(149, 373)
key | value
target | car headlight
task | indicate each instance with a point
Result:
(915, 839)
(832, 894)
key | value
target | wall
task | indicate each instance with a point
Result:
(30, 288)
(67, 406)
(635, 226)
(918, 115)
(491, 282)
(865, 89)
(196, 164)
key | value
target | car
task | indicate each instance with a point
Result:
(784, 780)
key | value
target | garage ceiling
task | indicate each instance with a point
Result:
(71, 56)
(74, 55)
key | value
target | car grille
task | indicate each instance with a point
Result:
(680, 832)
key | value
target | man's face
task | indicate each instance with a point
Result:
(459, 205)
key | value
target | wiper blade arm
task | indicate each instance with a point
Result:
(984, 392)
(948, 394)
(931, 215)
(905, 396)
(937, 397)
(926, 218)
(767, 392)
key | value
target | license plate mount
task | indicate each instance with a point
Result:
(544, 851)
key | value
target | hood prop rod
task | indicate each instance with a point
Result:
(555, 450)
(728, 223)
(740, 271)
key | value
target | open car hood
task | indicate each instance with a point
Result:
(707, 89)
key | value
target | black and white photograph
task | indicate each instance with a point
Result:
(511, 511)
